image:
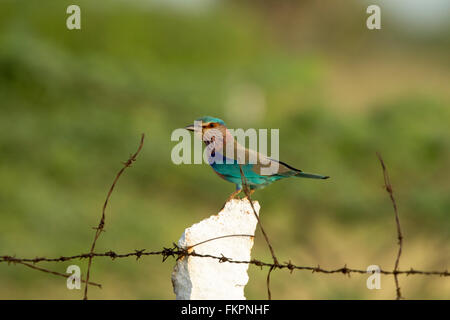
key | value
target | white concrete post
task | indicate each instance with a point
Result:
(197, 278)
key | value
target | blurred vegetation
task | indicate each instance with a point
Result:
(73, 105)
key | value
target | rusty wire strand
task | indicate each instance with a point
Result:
(101, 225)
(53, 272)
(221, 237)
(388, 187)
(274, 258)
(177, 252)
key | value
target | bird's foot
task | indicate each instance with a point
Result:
(247, 195)
(231, 197)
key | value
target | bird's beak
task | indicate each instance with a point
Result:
(190, 127)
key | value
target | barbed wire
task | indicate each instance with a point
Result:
(55, 273)
(388, 187)
(248, 192)
(178, 253)
(101, 224)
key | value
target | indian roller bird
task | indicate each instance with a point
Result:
(236, 159)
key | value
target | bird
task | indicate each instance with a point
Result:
(235, 165)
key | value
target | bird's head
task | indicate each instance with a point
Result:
(208, 127)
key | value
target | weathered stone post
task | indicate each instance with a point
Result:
(197, 278)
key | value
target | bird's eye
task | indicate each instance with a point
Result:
(211, 125)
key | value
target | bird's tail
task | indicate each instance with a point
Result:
(310, 175)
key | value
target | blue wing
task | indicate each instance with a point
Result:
(229, 170)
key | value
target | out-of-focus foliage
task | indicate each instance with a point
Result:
(73, 104)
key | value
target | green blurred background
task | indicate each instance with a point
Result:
(74, 103)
